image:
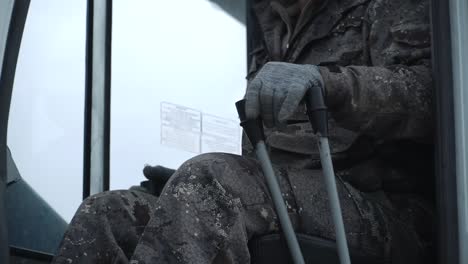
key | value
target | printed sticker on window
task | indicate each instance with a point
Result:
(191, 130)
(180, 127)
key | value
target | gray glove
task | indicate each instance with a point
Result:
(277, 90)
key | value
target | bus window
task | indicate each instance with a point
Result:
(45, 132)
(178, 67)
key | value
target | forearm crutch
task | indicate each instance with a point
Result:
(317, 113)
(254, 131)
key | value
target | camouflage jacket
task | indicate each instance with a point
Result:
(374, 56)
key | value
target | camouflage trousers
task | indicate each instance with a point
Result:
(214, 204)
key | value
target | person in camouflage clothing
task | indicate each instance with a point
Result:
(373, 59)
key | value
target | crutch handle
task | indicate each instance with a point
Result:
(253, 128)
(317, 110)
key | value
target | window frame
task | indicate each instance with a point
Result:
(447, 160)
(12, 27)
(96, 151)
(459, 39)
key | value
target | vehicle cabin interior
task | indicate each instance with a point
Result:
(30, 229)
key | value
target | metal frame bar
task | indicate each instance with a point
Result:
(12, 26)
(97, 97)
(447, 216)
(459, 37)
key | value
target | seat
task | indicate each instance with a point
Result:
(272, 249)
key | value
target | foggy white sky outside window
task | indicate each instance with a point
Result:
(186, 52)
(189, 53)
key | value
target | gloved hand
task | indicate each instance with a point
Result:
(157, 177)
(278, 89)
(158, 174)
